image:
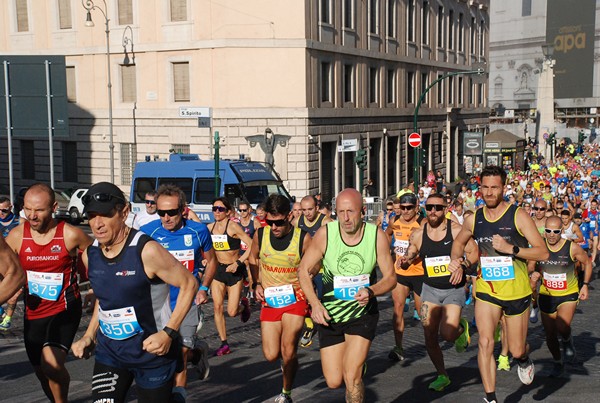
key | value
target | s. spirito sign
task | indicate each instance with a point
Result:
(194, 112)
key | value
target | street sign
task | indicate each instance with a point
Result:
(348, 145)
(546, 135)
(194, 112)
(414, 140)
(204, 121)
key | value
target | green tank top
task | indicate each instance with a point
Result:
(342, 260)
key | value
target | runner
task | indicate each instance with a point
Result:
(189, 242)
(296, 213)
(443, 294)
(130, 274)
(48, 250)
(227, 237)
(250, 224)
(540, 208)
(310, 221)
(347, 314)
(411, 279)
(503, 233)
(13, 277)
(275, 255)
(8, 221)
(559, 291)
(149, 214)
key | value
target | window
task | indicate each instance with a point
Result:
(69, 161)
(425, 23)
(205, 191)
(440, 27)
(180, 148)
(480, 94)
(498, 87)
(374, 16)
(128, 83)
(471, 92)
(373, 85)
(461, 36)
(482, 38)
(27, 156)
(22, 16)
(326, 82)
(451, 29)
(348, 83)
(178, 10)
(125, 12)
(410, 87)
(64, 14)
(181, 82)
(424, 85)
(440, 90)
(349, 7)
(451, 90)
(526, 11)
(71, 87)
(325, 12)
(391, 25)
(185, 184)
(461, 89)
(128, 160)
(410, 21)
(391, 86)
(473, 32)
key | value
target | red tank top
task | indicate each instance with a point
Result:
(37, 261)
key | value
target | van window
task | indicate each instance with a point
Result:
(233, 192)
(257, 193)
(142, 186)
(185, 184)
(205, 190)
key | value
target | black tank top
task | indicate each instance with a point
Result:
(431, 248)
(234, 243)
(312, 230)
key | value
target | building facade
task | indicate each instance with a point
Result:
(326, 73)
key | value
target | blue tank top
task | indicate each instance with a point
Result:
(121, 283)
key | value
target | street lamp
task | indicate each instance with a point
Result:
(89, 5)
(128, 40)
(545, 98)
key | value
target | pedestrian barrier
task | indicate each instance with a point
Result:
(372, 206)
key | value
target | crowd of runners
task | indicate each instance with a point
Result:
(516, 244)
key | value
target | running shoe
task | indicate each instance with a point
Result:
(200, 320)
(527, 372)
(498, 333)
(462, 342)
(246, 312)
(440, 383)
(283, 398)
(406, 304)
(307, 336)
(5, 325)
(201, 359)
(488, 401)
(569, 353)
(397, 354)
(178, 395)
(533, 315)
(503, 363)
(557, 369)
(223, 350)
(416, 315)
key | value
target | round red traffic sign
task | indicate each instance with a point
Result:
(414, 140)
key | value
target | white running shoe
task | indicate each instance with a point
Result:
(526, 373)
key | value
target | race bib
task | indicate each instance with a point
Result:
(556, 281)
(185, 257)
(400, 247)
(45, 285)
(280, 296)
(220, 242)
(497, 268)
(119, 324)
(437, 266)
(592, 224)
(346, 287)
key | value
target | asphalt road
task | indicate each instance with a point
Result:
(244, 375)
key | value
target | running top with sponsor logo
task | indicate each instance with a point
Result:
(346, 270)
(435, 256)
(130, 305)
(558, 272)
(500, 275)
(187, 245)
(402, 233)
(51, 275)
(279, 260)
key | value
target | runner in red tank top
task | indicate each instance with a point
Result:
(47, 250)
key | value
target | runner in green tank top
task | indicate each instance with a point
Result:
(347, 315)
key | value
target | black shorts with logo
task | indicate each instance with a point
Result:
(549, 304)
(512, 307)
(334, 333)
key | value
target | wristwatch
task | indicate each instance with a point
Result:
(516, 250)
(172, 333)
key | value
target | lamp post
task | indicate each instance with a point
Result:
(545, 99)
(128, 40)
(89, 5)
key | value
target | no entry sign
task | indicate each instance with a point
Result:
(414, 140)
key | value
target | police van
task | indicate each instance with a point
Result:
(239, 180)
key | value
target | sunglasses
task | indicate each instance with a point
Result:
(277, 223)
(552, 231)
(171, 213)
(151, 202)
(100, 197)
(220, 209)
(242, 210)
(5, 210)
(539, 208)
(437, 207)
(410, 207)
(390, 209)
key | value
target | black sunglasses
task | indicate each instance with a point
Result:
(552, 231)
(278, 223)
(411, 207)
(539, 208)
(219, 209)
(100, 197)
(171, 213)
(437, 207)
(152, 202)
(242, 210)
(5, 210)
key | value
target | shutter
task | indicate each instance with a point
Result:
(181, 81)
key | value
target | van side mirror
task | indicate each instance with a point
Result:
(293, 199)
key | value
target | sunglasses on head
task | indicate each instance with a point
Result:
(100, 197)
(539, 208)
(151, 202)
(171, 213)
(220, 209)
(437, 207)
(278, 223)
(242, 210)
(409, 207)
(552, 231)
(5, 210)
